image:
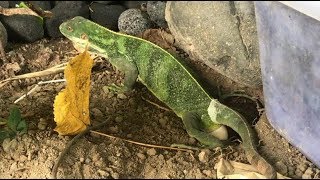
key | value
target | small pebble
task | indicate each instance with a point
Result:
(203, 156)
(309, 171)
(160, 115)
(88, 160)
(139, 109)
(29, 154)
(6, 145)
(99, 163)
(81, 159)
(114, 129)
(192, 140)
(119, 119)
(141, 156)
(298, 173)
(9, 145)
(103, 173)
(23, 158)
(122, 96)
(235, 154)
(163, 122)
(207, 173)
(281, 167)
(97, 113)
(95, 157)
(106, 89)
(132, 102)
(13, 166)
(302, 167)
(108, 110)
(185, 171)
(42, 124)
(151, 152)
(115, 175)
(306, 176)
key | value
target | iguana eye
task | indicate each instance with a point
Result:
(69, 29)
(84, 36)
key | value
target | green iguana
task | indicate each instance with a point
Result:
(170, 81)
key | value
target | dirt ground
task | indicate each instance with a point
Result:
(131, 117)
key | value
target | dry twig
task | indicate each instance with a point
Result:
(53, 70)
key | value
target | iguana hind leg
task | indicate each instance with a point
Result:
(228, 117)
(192, 122)
(130, 74)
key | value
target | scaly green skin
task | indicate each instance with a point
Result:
(169, 80)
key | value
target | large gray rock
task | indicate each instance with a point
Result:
(106, 15)
(222, 34)
(62, 12)
(20, 27)
(3, 35)
(4, 4)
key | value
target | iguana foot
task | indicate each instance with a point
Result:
(117, 89)
(191, 122)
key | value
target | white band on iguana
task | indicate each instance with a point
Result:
(220, 133)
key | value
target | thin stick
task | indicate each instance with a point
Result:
(3, 83)
(141, 144)
(155, 104)
(52, 81)
(53, 70)
(37, 85)
(25, 95)
(37, 9)
(36, 74)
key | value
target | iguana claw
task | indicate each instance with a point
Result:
(117, 89)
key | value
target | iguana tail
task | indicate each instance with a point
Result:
(226, 116)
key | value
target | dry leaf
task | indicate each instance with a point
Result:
(235, 170)
(32, 9)
(71, 105)
(14, 11)
(159, 37)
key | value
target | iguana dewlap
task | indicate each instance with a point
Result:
(170, 81)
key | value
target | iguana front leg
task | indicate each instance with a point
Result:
(130, 74)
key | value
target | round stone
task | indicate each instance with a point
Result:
(134, 21)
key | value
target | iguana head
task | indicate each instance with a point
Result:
(74, 30)
(82, 31)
